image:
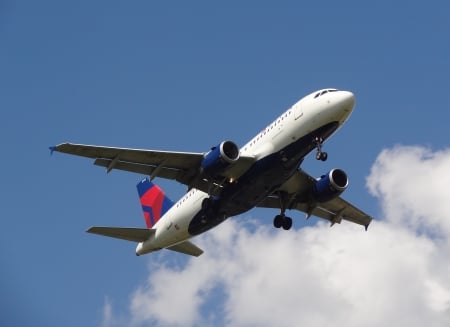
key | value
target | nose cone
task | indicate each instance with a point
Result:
(347, 100)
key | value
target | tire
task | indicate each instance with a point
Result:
(287, 223)
(278, 221)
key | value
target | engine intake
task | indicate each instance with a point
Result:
(330, 186)
(219, 158)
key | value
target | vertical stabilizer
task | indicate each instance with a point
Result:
(154, 202)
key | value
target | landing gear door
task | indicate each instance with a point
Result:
(298, 112)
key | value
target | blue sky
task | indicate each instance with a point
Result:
(184, 76)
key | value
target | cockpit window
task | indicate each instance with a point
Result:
(324, 92)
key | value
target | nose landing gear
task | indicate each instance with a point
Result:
(320, 155)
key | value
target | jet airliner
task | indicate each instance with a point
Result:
(227, 180)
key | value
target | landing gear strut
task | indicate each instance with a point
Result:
(320, 155)
(281, 220)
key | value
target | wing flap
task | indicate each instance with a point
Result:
(339, 208)
(124, 233)
(186, 247)
(336, 210)
(169, 173)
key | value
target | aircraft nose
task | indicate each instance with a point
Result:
(347, 100)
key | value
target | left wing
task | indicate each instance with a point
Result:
(181, 166)
(296, 189)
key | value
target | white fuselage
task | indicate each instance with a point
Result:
(305, 116)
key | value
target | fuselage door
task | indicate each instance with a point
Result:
(298, 112)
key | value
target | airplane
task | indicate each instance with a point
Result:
(228, 181)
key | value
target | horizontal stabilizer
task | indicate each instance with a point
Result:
(186, 248)
(124, 233)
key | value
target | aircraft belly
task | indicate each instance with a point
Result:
(268, 173)
(261, 180)
(255, 189)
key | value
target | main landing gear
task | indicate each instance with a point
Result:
(282, 221)
(320, 155)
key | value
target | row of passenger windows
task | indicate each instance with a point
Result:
(187, 196)
(269, 128)
(324, 92)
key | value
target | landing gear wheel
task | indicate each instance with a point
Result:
(278, 221)
(323, 156)
(282, 221)
(287, 223)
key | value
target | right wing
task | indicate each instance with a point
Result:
(335, 210)
(181, 166)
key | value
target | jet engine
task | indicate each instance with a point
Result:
(330, 186)
(219, 158)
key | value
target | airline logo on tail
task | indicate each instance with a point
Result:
(154, 202)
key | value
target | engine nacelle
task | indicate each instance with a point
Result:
(330, 186)
(219, 158)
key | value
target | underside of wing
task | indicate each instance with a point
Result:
(185, 167)
(296, 191)
(113, 156)
(180, 166)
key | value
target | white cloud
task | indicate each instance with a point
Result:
(413, 186)
(108, 318)
(319, 276)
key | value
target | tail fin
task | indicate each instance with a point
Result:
(154, 202)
